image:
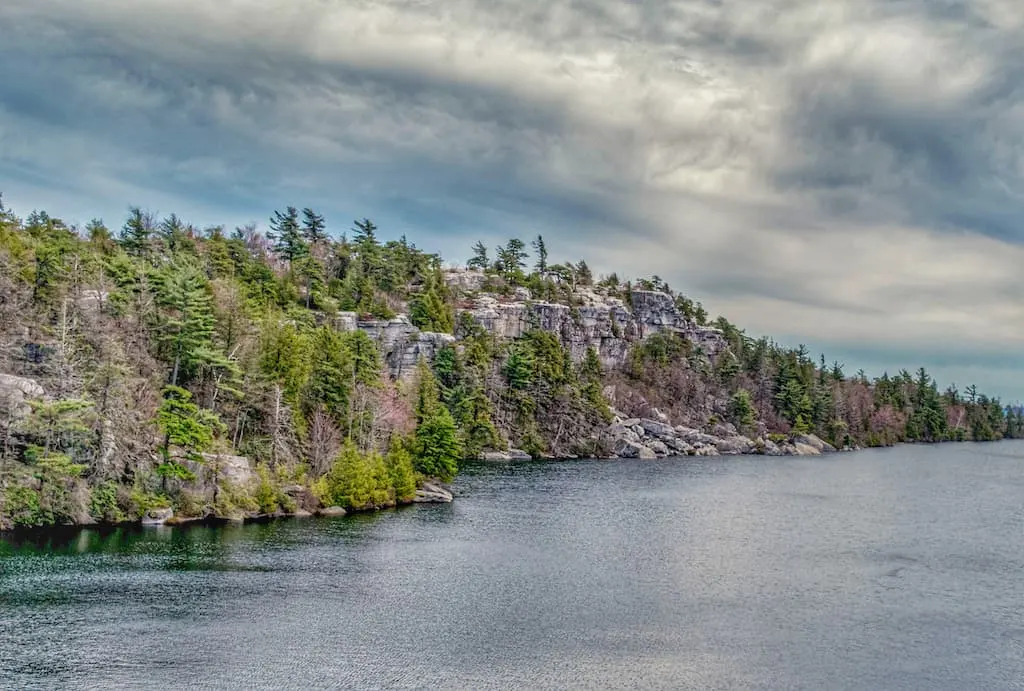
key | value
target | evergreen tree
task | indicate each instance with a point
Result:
(314, 228)
(137, 233)
(542, 255)
(287, 235)
(479, 259)
(187, 319)
(437, 445)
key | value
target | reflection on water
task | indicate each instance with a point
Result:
(884, 569)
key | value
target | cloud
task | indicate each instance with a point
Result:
(848, 174)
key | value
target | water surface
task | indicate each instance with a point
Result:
(895, 569)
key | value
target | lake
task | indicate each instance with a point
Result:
(885, 569)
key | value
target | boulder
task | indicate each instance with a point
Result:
(15, 393)
(678, 445)
(623, 432)
(235, 469)
(433, 493)
(724, 430)
(657, 429)
(633, 449)
(659, 416)
(658, 447)
(734, 445)
(301, 513)
(332, 511)
(814, 441)
(504, 456)
(157, 516)
(705, 451)
(801, 449)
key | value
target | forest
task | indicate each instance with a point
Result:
(162, 365)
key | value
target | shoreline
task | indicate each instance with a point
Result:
(211, 520)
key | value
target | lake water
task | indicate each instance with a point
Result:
(890, 569)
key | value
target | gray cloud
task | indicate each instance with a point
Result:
(848, 173)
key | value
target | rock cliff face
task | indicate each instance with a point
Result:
(605, 323)
(400, 343)
(602, 322)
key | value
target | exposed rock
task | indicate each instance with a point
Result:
(770, 448)
(801, 449)
(157, 516)
(503, 456)
(693, 437)
(724, 430)
(659, 416)
(301, 513)
(678, 445)
(658, 447)
(522, 294)
(15, 393)
(235, 469)
(402, 344)
(658, 429)
(92, 300)
(812, 440)
(734, 445)
(619, 431)
(433, 493)
(332, 512)
(705, 451)
(627, 449)
(293, 490)
(631, 422)
(465, 280)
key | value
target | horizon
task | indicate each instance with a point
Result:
(860, 191)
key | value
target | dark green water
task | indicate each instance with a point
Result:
(891, 569)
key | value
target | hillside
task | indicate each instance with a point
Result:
(165, 370)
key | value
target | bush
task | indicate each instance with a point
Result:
(104, 506)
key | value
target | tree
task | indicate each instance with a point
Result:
(542, 255)
(186, 323)
(429, 310)
(287, 235)
(314, 228)
(185, 426)
(479, 259)
(512, 260)
(741, 409)
(137, 232)
(437, 445)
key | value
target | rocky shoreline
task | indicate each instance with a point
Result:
(647, 438)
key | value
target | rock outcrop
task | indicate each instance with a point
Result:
(15, 393)
(647, 438)
(433, 493)
(399, 342)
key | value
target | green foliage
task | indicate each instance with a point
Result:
(437, 445)
(741, 409)
(104, 506)
(356, 481)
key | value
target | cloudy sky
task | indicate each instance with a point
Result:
(847, 174)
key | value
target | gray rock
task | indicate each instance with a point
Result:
(619, 431)
(724, 430)
(814, 441)
(293, 490)
(505, 456)
(631, 422)
(433, 493)
(628, 449)
(15, 393)
(678, 445)
(771, 448)
(659, 448)
(705, 451)
(657, 429)
(659, 416)
(332, 512)
(735, 445)
(235, 469)
(301, 513)
(157, 516)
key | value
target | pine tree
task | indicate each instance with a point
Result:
(314, 228)
(542, 255)
(437, 446)
(186, 320)
(479, 259)
(287, 235)
(137, 233)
